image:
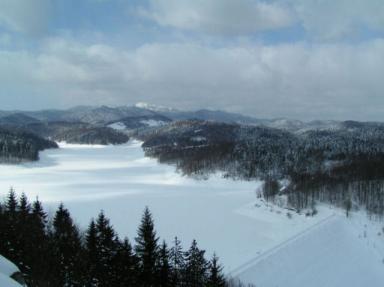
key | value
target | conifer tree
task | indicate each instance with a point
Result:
(91, 254)
(24, 207)
(125, 265)
(147, 250)
(196, 267)
(10, 247)
(66, 248)
(177, 262)
(40, 255)
(54, 255)
(216, 277)
(106, 248)
(23, 243)
(164, 268)
(11, 203)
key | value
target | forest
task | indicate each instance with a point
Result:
(56, 252)
(17, 146)
(344, 167)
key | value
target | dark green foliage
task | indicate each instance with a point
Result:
(57, 255)
(216, 277)
(106, 248)
(92, 257)
(66, 249)
(147, 249)
(196, 267)
(164, 268)
(125, 266)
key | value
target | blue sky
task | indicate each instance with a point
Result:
(305, 59)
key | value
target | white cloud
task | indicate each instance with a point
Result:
(231, 17)
(295, 80)
(26, 16)
(323, 20)
(330, 19)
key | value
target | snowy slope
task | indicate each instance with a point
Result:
(7, 268)
(329, 254)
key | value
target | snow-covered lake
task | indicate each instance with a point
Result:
(219, 213)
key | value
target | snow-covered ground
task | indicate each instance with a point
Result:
(223, 215)
(334, 252)
(7, 268)
(119, 126)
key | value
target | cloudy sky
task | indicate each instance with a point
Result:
(305, 59)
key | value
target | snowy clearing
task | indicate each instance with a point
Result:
(119, 126)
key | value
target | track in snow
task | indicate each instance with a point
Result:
(266, 254)
(328, 254)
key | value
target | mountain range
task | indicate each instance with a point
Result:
(130, 117)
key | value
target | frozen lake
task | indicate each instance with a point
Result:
(219, 213)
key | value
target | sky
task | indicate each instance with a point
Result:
(300, 59)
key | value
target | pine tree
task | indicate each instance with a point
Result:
(91, 254)
(164, 268)
(106, 247)
(125, 266)
(40, 258)
(23, 232)
(177, 263)
(216, 277)
(10, 245)
(66, 246)
(147, 250)
(11, 203)
(24, 207)
(196, 267)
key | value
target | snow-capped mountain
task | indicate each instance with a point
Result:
(154, 108)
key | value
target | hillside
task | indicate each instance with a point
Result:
(20, 146)
(343, 167)
(77, 132)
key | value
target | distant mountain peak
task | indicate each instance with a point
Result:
(154, 108)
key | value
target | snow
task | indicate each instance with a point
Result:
(5, 281)
(256, 241)
(7, 268)
(153, 123)
(121, 181)
(151, 107)
(199, 139)
(330, 253)
(119, 126)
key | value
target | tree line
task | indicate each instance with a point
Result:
(16, 146)
(55, 252)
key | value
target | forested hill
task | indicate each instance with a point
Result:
(20, 146)
(344, 166)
